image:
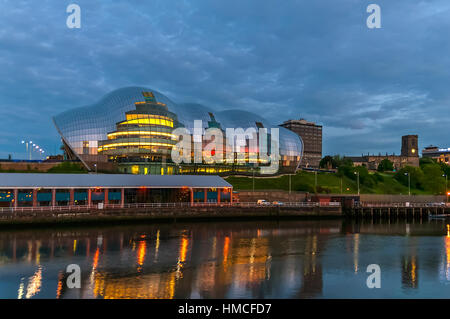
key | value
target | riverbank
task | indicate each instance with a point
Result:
(326, 183)
(30, 218)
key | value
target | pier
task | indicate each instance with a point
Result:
(397, 210)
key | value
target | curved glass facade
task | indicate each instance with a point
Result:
(133, 126)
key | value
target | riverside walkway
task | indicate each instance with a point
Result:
(164, 212)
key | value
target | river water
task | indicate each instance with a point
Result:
(267, 259)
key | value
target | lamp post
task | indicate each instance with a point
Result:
(315, 181)
(30, 147)
(26, 145)
(289, 184)
(253, 179)
(446, 186)
(357, 177)
(409, 183)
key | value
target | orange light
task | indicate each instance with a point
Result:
(95, 260)
(183, 249)
(226, 246)
(141, 252)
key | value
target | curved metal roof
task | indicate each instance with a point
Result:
(93, 122)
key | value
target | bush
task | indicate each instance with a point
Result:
(433, 180)
(416, 176)
(385, 166)
(327, 162)
(304, 187)
(445, 168)
(351, 172)
(426, 161)
(321, 189)
(378, 177)
(67, 167)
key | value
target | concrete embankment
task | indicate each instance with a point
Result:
(212, 213)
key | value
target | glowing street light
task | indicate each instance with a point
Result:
(28, 148)
(357, 175)
(409, 183)
(446, 185)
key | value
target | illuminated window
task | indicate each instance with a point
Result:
(151, 120)
(135, 169)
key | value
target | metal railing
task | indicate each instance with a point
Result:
(402, 205)
(163, 205)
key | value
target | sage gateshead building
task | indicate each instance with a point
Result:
(133, 130)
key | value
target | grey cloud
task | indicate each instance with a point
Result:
(282, 59)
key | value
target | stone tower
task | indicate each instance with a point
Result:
(410, 145)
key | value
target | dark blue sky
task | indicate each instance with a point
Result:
(314, 59)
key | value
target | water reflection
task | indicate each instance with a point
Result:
(291, 259)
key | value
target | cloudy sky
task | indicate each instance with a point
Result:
(283, 59)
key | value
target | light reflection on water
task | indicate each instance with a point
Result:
(286, 259)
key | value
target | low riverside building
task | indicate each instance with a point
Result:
(101, 190)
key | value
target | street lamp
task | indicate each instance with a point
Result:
(357, 177)
(446, 185)
(28, 148)
(409, 183)
(290, 187)
(253, 179)
(315, 181)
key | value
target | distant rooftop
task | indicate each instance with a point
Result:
(300, 121)
(435, 149)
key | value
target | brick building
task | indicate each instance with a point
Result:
(311, 134)
(409, 156)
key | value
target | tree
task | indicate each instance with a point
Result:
(365, 178)
(342, 161)
(445, 168)
(425, 161)
(327, 162)
(385, 166)
(352, 172)
(433, 180)
(416, 176)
